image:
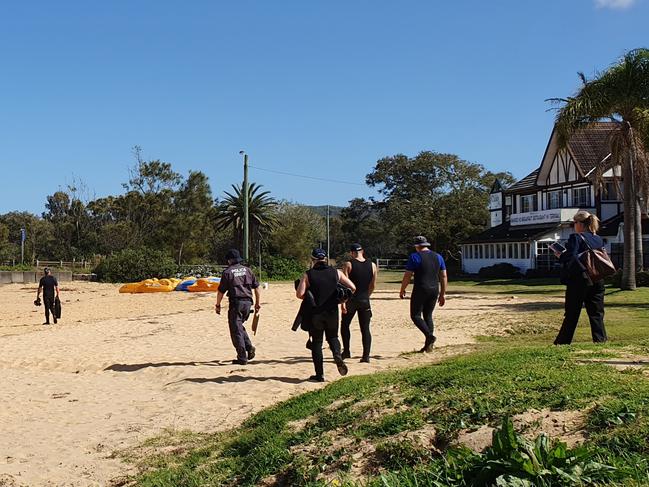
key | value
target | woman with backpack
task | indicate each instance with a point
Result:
(580, 289)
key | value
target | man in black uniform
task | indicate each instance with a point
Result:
(362, 273)
(429, 271)
(238, 282)
(322, 280)
(49, 285)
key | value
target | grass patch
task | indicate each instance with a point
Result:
(353, 429)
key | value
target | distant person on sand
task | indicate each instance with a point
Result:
(322, 280)
(579, 290)
(239, 282)
(429, 270)
(362, 273)
(50, 287)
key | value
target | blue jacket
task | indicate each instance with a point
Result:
(572, 270)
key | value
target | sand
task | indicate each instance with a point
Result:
(119, 369)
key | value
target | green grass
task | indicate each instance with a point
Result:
(316, 438)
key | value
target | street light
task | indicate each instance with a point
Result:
(246, 216)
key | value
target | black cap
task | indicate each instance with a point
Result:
(421, 241)
(355, 247)
(233, 255)
(319, 254)
(46, 270)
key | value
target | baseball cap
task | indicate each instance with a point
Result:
(233, 255)
(319, 254)
(421, 241)
(355, 247)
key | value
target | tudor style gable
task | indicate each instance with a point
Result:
(558, 165)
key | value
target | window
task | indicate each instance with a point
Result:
(528, 203)
(545, 258)
(480, 251)
(515, 255)
(504, 251)
(497, 251)
(610, 191)
(510, 252)
(554, 200)
(581, 197)
(492, 253)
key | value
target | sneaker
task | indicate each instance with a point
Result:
(251, 353)
(430, 342)
(317, 378)
(237, 361)
(365, 360)
(346, 354)
(340, 363)
(55, 321)
(46, 323)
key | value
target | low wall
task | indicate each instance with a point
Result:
(19, 277)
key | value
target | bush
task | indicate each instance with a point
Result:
(641, 279)
(281, 268)
(503, 270)
(133, 265)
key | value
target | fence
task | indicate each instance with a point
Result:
(391, 264)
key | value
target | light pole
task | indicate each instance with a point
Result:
(246, 216)
(328, 238)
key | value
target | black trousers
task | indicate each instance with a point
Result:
(422, 304)
(578, 295)
(364, 311)
(48, 302)
(324, 324)
(238, 312)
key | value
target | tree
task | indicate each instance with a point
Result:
(298, 229)
(621, 95)
(438, 195)
(260, 212)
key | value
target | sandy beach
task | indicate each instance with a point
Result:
(119, 369)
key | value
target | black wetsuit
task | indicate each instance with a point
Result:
(49, 284)
(239, 281)
(579, 292)
(425, 293)
(361, 275)
(323, 280)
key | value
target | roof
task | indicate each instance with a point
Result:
(528, 182)
(609, 228)
(590, 145)
(507, 233)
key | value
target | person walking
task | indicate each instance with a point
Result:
(239, 282)
(322, 280)
(580, 290)
(50, 288)
(362, 273)
(429, 288)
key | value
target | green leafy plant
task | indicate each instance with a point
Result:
(135, 265)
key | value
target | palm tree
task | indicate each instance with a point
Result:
(620, 95)
(261, 211)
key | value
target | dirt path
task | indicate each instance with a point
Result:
(119, 369)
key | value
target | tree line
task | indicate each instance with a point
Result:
(434, 194)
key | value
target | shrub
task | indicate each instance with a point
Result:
(281, 268)
(503, 270)
(641, 279)
(132, 265)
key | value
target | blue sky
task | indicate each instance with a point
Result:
(320, 88)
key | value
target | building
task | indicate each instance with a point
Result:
(537, 210)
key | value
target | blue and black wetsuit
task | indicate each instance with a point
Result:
(426, 266)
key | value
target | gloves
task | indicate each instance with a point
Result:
(37, 302)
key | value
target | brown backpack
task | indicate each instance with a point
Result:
(596, 262)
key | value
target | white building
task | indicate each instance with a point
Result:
(538, 209)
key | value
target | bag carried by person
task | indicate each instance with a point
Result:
(596, 263)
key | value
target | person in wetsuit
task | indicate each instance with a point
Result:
(430, 281)
(50, 288)
(362, 273)
(322, 280)
(239, 282)
(579, 290)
